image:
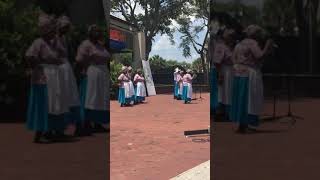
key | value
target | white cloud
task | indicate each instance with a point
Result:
(139, 10)
(163, 43)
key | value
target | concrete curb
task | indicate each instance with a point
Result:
(200, 172)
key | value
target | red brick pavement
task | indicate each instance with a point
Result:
(20, 159)
(147, 141)
(281, 152)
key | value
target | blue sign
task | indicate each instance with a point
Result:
(117, 45)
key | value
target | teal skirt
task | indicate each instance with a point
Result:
(37, 113)
(213, 90)
(239, 108)
(122, 97)
(185, 94)
(82, 92)
(176, 89)
(38, 118)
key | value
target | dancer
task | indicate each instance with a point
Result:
(93, 55)
(46, 110)
(140, 87)
(124, 97)
(247, 98)
(176, 87)
(224, 66)
(213, 79)
(70, 84)
(187, 87)
(131, 85)
(180, 84)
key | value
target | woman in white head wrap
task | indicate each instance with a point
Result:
(187, 87)
(140, 91)
(247, 93)
(70, 85)
(180, 84)
(223, 62)
(131, 86)
(94, 57)
(124, 97)
(175, 83)
(46, 111)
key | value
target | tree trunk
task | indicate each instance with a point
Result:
(148, 46)
(204, 67)
(106, 8)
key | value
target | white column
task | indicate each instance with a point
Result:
(139, 49)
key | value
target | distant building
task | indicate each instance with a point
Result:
(126, 38)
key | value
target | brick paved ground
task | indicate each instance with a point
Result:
(280, 152)
(20, 159)
(147, 141)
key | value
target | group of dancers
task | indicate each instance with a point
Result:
(183, 85)
(236, 77)
(56, 101)
(131, 91)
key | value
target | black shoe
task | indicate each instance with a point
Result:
(40, 138)
(49, 135)
(37, 137)
(252, 129)
(242, 129)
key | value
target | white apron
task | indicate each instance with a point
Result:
(97, 96)
(225, 90)
(255, 103)
(141, 89)
(126, 87)
(180, 88)
(131, 88)
(57, 103)
(71, 85)
(189, 85)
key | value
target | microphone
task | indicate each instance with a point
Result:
(275, 45)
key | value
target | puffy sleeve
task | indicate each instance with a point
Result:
(33, 53)
(234, 55)
(256, 51)
(141, 78)
(136, 77)
(218, 54)
(121, 77)
(34, 50)
(83, 52)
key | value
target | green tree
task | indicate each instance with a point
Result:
(157, 16)
(157, 64)
(161, 65)
(125, 59)
(197, 65)
(200, 9)
(279, 16)
(18, 30)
